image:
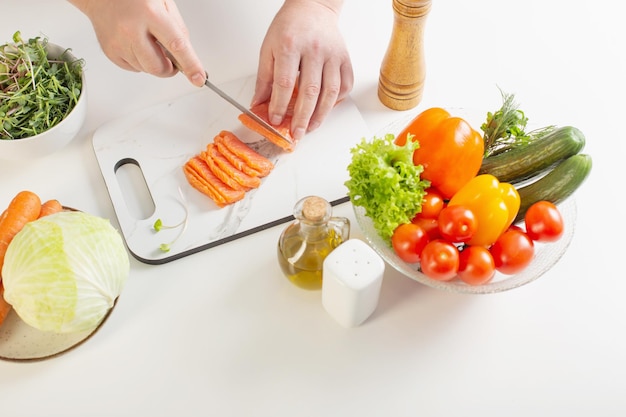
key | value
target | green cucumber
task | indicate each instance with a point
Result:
(557, 185)
(524, 162)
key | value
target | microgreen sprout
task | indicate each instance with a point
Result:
(36, 92)
(158, 225)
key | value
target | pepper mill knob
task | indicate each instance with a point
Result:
(402, 72)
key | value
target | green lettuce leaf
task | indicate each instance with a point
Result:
(386, 183)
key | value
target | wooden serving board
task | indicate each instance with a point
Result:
(141, 158)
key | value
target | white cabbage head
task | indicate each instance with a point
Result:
(63, 272)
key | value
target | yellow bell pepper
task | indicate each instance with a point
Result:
(495, 205)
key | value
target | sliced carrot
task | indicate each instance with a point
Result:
(239, 148)
(24, 207)
(243, 179)
(220, 173)
(50, 207)
(284, 128)
(235, 160)
(210, 184)
(5, 307)
(202, 185)
(261, 110)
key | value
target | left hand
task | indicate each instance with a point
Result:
(303, 44)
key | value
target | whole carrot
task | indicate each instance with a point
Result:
(50, 207)
(24, 207)
(5, 307)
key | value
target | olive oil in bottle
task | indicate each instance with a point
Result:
(305, 243)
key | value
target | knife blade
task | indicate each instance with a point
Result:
(231, 100)
(244, 110)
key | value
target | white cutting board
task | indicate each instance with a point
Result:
(156, 143)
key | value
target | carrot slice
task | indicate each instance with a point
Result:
(239, 148)
(50, 207)
(206, 182)
(220, 173)
(24, 207)
(243, 179)
(236, 161)
(261, 110)
(5, 307)
(202, 185)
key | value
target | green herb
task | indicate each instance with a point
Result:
(385, 181)
(36, 92)
(506, 128)
(158, 225)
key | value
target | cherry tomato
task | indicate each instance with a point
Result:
(457, 223)
(512, 251)
(440, 260)
(432, 204)
(430, 226)
(544, 222)
(476, 265)
(408, 240)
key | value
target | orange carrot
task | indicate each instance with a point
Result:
(235, 160)
(50, 207)
(261, 110)
(5, 307)
(239, 148)
(24, 207)
(200, 177)
(220, 173)
(238, 175)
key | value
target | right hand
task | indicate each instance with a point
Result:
(128, 31)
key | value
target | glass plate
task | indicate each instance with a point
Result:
(546, 255)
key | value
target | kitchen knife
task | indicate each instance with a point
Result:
(232, 101)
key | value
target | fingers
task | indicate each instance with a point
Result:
(133, 33)
(320, 86)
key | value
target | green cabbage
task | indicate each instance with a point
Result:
(63, 272)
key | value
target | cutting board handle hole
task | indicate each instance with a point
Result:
(134, 189)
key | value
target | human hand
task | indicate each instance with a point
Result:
(129, 32)
(303, 44)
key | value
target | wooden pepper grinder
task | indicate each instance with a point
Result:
(402, 72)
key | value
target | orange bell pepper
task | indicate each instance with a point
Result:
(495, 205)
(450, 150)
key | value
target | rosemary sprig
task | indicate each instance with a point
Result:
(505, 129)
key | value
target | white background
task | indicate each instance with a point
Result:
(222, 333)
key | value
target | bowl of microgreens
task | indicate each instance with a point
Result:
(42, 97)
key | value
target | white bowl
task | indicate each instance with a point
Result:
(57, 136)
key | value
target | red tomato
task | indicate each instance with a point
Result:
(408, 240)
(476, 265)
(512, 252)
(430, 226)
(457, 223)
(544, 222)
(432, 204)
(440, 260)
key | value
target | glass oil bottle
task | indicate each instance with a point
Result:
(307, 241)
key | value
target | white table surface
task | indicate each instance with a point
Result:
(210, 335)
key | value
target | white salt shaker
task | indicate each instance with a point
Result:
(353, 274)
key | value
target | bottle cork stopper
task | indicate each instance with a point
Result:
(314, 208)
